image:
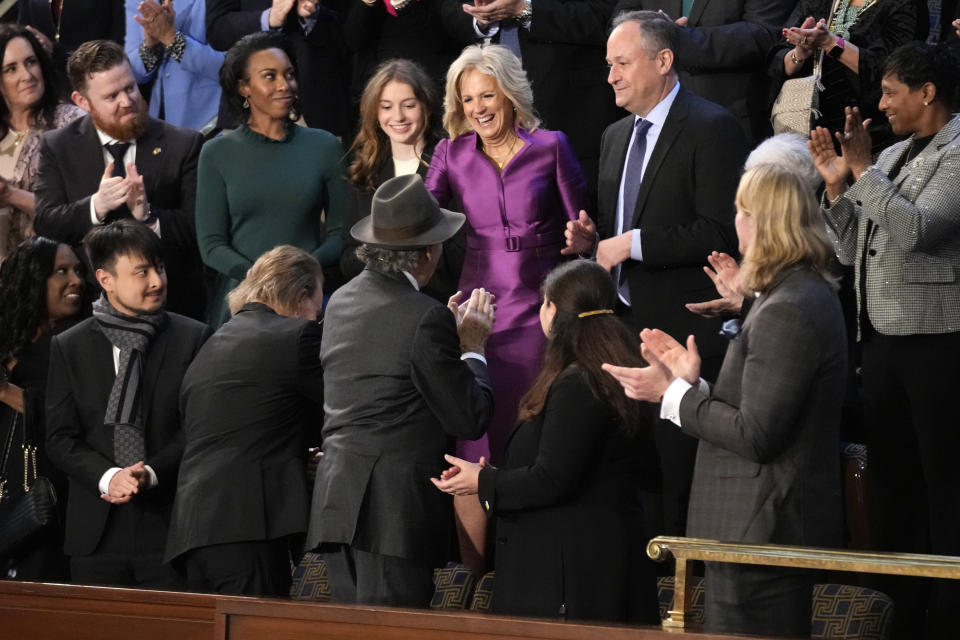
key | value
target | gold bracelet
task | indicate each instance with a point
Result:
(794, 59)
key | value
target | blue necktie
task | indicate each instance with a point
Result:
(509, 36)
(631, 188)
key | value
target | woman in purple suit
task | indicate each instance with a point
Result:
(518, 186)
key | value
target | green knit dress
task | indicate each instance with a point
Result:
(255, 193)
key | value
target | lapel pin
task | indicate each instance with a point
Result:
(157, 151)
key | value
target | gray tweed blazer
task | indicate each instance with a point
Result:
(913, 252)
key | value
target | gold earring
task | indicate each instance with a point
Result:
(246, 104)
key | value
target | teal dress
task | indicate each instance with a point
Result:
(255, 193)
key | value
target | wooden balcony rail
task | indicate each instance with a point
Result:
(686, 550)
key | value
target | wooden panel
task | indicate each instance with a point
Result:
(257, 619)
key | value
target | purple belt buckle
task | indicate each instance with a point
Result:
(513, 243)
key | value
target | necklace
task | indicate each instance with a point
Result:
(502, 160)
(18, 137)
(847, 15)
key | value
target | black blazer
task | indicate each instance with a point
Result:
(80, 20)
(447, 276)
(722, 53)
(395, 390)
(568, 538)
(323, 70)
(69, 172)
(251, 403)
(564, 55)
(79, 381)
(684, 211)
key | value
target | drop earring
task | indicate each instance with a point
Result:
(246, 104)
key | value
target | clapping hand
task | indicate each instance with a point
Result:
(136, 196)
(111, 194)
(278, 12)
(462, 478)
(487, 12)
(157, 21)
(660, 347)
(474, 319)
(306, 8)
(726, 278)
(581, 236)
(855, 142)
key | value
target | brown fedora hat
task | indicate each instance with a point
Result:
(404, 215)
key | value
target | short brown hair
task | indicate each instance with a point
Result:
(93, 57)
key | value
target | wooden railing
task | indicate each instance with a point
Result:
(688, 550)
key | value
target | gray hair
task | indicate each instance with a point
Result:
(499, 62)
(657, 32)
(395, 260)
(787, 150)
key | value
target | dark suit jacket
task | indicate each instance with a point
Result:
(78, 385)
(722, 53)
(564, 55)
(563, 498)
(251, 403)
(69, 173)
(684, 210)
(395, 389)
(80, 20)
(767, 466)
(323, 72)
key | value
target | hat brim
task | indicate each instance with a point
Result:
(447, 227)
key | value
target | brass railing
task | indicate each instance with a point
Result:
(687, 550)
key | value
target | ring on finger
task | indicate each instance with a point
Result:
(847, 135)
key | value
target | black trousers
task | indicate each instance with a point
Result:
(362, 577)
(130, 551)
(257, 568)
(768, 601)
(909, 388)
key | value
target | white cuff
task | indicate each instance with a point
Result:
(670, 404)
(489, 31)
(93, 214)
(105, 479)
(636, 251)
(151, 476)
(474, 355)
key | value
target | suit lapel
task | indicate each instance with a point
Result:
(102, 369)
(668, 135)
(620, 138)
(150, 156)
(87, 158)
(696, 12)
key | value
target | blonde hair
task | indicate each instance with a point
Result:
(279, 279)
(505, 68)
(788, 226)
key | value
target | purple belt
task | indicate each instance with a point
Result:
(510, 242)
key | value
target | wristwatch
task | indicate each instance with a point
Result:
(837, 49)
(526, 15)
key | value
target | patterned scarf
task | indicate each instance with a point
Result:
(132, 335)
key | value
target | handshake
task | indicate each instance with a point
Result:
(115, 191)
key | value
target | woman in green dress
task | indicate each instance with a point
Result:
(268, 182)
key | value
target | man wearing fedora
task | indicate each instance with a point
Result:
(402, 374)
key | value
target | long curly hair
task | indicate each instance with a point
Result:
(54, 90)
(587, 342)
(23, 294)
(371, 147)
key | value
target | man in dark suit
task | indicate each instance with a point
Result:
(252, 402)
(721, 52)
(120, 163)
(560, 44)
(113, 420)
(668, 175)
(402, 374)
(316, 33)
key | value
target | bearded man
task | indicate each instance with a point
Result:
(118, 162)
